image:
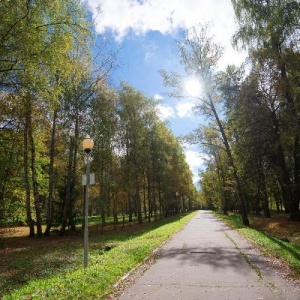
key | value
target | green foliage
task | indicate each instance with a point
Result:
(260, 114)
(50, 97)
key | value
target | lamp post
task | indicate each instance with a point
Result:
(177, 203)
(87, 145)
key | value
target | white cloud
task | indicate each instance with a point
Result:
(194, 158)
(158, 97)
(165, 111)
(139, 17)
(165, 16)
(185, 109)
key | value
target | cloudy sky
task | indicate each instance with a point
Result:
(144, 31)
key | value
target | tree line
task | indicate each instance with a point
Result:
(252, 133)
(54, 90)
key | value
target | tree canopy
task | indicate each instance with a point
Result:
(52, 93)
(251, 136)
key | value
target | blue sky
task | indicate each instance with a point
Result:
(144, 32)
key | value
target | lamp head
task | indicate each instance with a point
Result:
(87, 144)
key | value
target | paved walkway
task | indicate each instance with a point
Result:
(208, 260)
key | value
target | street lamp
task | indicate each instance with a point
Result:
(87, 145)
(177, 203)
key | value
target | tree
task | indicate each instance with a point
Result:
(134, 111)
(251, 132)
(270, 30)
(36, 40)
(200, 55)
(104, 132)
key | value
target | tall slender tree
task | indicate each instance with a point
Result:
(270, 30)
(200, 56)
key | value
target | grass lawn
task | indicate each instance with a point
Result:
(52, 267)
(276, 237)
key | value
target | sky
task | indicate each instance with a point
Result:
(144, 32)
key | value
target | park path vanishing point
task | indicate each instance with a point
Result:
(208, 260)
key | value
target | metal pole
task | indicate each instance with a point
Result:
(86, 208)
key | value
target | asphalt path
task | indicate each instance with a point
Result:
(208, 260)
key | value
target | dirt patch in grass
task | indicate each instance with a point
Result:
(278, 226)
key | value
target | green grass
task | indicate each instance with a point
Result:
(269, 245)
(111, 256)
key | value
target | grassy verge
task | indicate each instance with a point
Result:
(111, 255)
(267, 243)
